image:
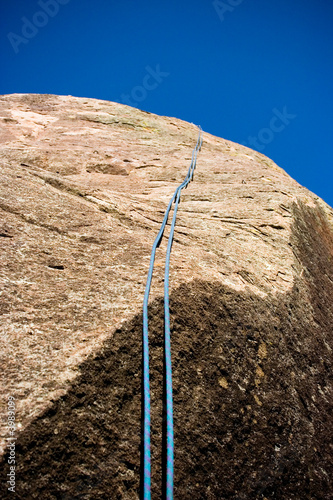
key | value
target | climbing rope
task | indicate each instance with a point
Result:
(167, 344)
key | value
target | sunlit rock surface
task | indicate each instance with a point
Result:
(84, 186)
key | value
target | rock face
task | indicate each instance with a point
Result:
(84, 186)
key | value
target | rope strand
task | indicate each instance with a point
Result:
(167, 344)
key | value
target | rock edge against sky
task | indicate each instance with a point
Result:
(84, 187)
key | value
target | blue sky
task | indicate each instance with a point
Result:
(231, 66)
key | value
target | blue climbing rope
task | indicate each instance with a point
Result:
(167, 344)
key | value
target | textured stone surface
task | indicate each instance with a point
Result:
(84, 186)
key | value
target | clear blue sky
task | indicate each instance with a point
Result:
(232, 66)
